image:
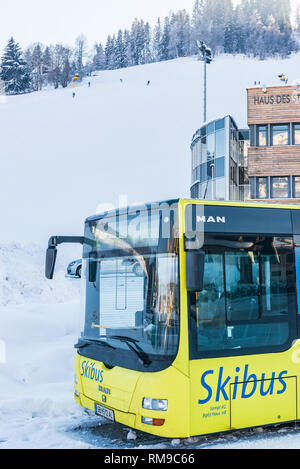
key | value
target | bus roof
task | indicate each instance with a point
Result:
(135, 208)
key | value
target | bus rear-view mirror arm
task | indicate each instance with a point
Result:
(51, 253)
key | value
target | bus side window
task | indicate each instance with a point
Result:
(297, 260)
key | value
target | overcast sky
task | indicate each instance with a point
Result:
(63, 20)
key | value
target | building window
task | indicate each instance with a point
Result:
(211, 170)
(296, 134)
(203, 172)
(211, 128)
(262, 188)
(220, 143)
(220, 189)
(203, 150)
(219, 167)
(195, 191)
(220, 124)
(296, 187)
(262, 135)
(280, 187)
(280, 135)
(210, 147)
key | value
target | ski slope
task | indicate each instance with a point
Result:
(60, 159)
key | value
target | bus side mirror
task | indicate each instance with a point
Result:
(194, 270)
(51, 254)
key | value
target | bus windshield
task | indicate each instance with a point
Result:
(130, 276)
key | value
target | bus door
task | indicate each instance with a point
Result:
(241, 324)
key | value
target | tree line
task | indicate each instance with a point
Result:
(252, 27)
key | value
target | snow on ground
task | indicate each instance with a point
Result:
(60, 159)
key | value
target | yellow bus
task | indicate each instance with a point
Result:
(191, 316)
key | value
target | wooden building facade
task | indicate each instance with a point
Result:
(274, 151)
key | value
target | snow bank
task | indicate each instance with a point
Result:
(22, 277)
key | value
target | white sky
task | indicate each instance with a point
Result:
(63, 20)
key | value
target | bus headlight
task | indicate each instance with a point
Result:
(155, 404)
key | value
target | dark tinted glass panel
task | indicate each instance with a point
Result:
(220, 124)
(244, 135)
(248, 299)
(297, 260)
(211, 128)
(247, 220)
(203, 131)
(252, 135)
(296, 221)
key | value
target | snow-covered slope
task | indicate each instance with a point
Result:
(62, 157)
(22, 278)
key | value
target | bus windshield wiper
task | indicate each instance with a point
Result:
(144, 358)
(85, 343)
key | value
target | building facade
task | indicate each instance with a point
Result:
(261, 163)
(274, 152)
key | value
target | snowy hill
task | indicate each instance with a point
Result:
(62, 157)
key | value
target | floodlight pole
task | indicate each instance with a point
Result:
(205, 54)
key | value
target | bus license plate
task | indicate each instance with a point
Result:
(104, 412)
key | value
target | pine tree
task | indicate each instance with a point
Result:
(99, 57)
(147, 53)
(120, 54)
(14, 71)
(66, 72)
(164, 53)
(110, 53)
(127, 47)
(156, 41)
